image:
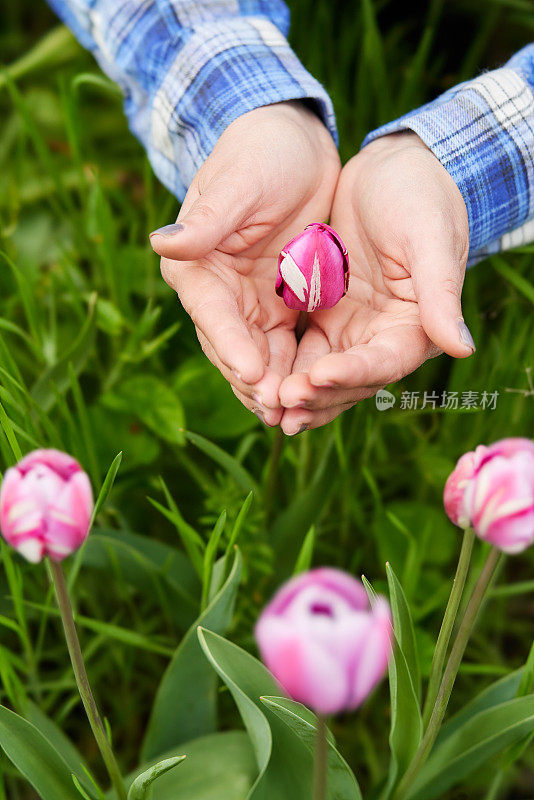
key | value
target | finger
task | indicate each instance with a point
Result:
(438, 275)
(268, 416)
(388, 357)
(218, 212)
(295, 422)
(215, 312)
(282, 350)
(296, 386)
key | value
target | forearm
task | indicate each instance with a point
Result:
(187, 70)
(482, 131)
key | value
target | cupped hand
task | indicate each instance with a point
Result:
(405, 225)
(272, 172)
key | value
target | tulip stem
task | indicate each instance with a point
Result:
(449, 618)
(321, 760)
(82, 681)
(300, 327)
(451, 670)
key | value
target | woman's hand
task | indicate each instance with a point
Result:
(405, 225)
(272, 172)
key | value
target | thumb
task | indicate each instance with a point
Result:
(210, 219)
(438, 279)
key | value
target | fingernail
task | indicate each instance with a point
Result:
(260, 415)
(325, 385)
(303, 427)
(237, 374)
(258, 398)
(168, 230)
(465, 335)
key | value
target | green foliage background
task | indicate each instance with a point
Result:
(97, 357)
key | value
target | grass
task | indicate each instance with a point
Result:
(96, 357)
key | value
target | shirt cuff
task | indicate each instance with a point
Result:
(482, 131)
(224, 70)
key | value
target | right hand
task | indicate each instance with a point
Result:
(273, 171)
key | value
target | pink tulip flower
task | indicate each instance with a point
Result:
(323, 642)
(313, 269)
(46, 504)
(492, 489)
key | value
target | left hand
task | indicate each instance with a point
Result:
(405, 225)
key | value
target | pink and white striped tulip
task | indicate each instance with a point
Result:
(323, 642)
(46, 504)
(492, 489)
(313, 269)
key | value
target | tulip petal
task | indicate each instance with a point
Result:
(60, 463)
(31, 549)
(307, 672)
(373, 655)
(293, 276)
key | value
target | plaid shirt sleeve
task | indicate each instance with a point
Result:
(188, 68)
(482, 131)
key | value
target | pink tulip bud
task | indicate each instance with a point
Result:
(46, 504)
(323, 642)
(313, 269)
(492, 489)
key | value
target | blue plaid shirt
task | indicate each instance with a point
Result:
(482, 131)
(188, 68)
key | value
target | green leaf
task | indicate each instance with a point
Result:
(404, 629)
(283, 760)
(342, 785)
(281, 736)
(236, 471)
(305, 556)
(34, 756)
(294, 522)
(191, 540)
(209, 558)
(406, 723)
(153, 402)
(106, 488)
(56, 378)
(211, 408)
(141, 788)
(494, 695)
(63, 746)
(517, 280)
(238, 524)
(217, 767)
(477, 740)
(186, 700)
(141, 560)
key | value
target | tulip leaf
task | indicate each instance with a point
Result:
(61, 743)
(35, 757)
(141, 788)
(406, 723)
(220, 766)
(477, 740)
(342, 784)
(404, 629)
(180, 713)
(282, 747)
(499, 692)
